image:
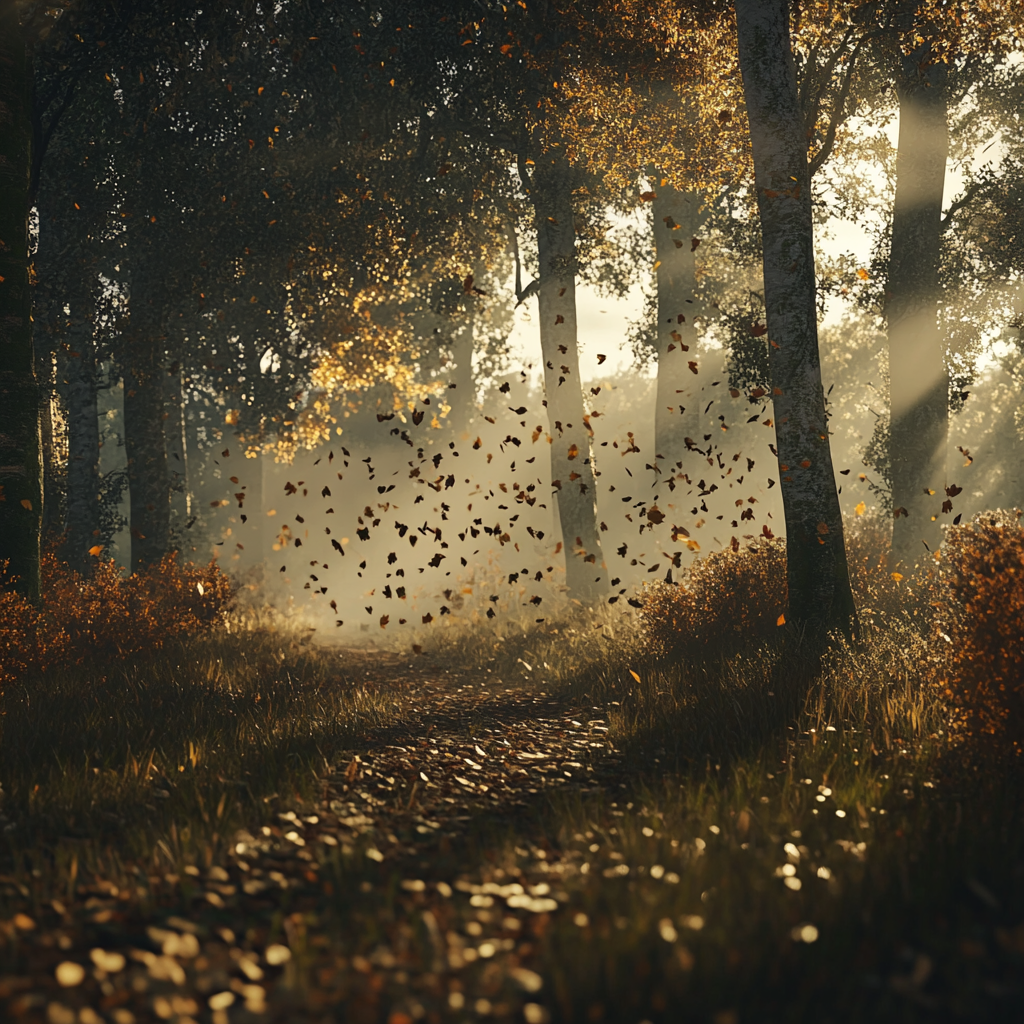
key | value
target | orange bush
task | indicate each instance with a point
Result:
(107, 615)
(725, 599)
(878, 591)
(979, 627)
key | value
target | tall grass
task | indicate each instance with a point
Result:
(157, 761)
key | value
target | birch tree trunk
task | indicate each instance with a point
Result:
(819, 586)
(20, 457)
(572, 462)
(918, 379)
(677, 416)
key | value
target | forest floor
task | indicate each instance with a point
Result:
(482, 851)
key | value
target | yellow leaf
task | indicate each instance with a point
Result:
(897, 576)
(657, 264)
(232, 417)
(634, 675)
(199, 587)
(861, 508)
(96, 550)
(863, 274)
(781, 620)
(25, 503)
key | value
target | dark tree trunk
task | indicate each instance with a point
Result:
(918, 379)
(21, 496)
(82, 506)
(177, 454)
(677, 415)
(145, 446)
(51, 525)
(819, 586)
(572, 463)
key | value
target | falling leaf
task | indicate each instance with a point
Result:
(199, 587)
(781, 620)
(600, 359)
(863, 274)
(861, 508)
(897, 576)
(25, 503)
(634, 675)
(96, 550)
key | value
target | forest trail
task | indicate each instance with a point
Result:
(408, 892)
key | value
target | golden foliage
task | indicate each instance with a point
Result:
(107, 615)
(725, 599)
(979, 629)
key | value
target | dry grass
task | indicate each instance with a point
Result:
(785, 838)
(154, 762)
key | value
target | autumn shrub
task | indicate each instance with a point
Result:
(729, 598)
(881, 593)
(107, 615)
(979, 628)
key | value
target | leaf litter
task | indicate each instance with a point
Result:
(366, 903)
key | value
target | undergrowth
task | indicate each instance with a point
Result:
(788, 838)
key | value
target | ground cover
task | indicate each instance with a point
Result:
(525, 824)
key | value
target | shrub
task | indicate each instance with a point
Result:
(880, 593)
(107, 615)
(980, 626)
(728, 599)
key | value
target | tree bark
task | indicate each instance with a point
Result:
(148, 480)
(20, 457)
(677, 415)
(820, 598)
(54, 476)
(177, 454)
(572, 462)
(918, 379)
(82, 508)
(462, 396)
(253, 531)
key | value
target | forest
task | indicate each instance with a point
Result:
(379, 640)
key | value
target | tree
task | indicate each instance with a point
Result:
(918, 377)
(550, 187)
(820, 597)
(20, 461)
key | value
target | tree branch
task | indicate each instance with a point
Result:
(974, 189)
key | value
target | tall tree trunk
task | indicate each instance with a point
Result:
(572, 462)
(819, 586)
(918, 379)
(51, 526)
(677, 416)
(462, 396)
(177, 453)
(21, 495)
(148, 480)
(254, 532)
(82, 506)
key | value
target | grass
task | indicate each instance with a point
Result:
(782, 838)
(158, 761)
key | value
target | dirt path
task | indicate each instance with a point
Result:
(400, 897)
